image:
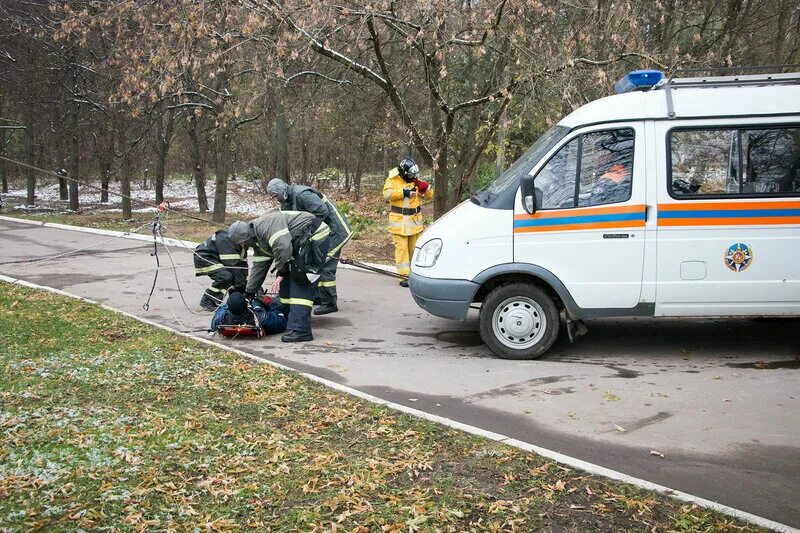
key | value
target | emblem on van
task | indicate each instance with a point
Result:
(738, 256)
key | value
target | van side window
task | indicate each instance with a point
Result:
(555, 183)
(592, 169)
(735, 162)
(606, 167)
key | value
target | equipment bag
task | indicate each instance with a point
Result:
(310, 255)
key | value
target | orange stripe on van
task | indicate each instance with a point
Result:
(578, 227)
(755, 221)
(702, 206)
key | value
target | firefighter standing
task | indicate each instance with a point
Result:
(301, 198)
(402, 190)
(225, 262)
(297, 244)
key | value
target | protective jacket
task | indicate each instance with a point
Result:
(276, 237)
(405, 217)
(218, 252)
(302, 198)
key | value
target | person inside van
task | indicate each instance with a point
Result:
(613, 182)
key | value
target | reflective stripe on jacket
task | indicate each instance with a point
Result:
(402, 222)
(218, 252)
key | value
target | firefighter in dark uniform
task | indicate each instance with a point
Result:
(296, 243)
(301, 198)
(225, 262)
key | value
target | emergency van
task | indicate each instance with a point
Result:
(678, 197)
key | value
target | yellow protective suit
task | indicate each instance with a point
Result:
(405, 218)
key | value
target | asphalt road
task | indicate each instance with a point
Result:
(720, 399)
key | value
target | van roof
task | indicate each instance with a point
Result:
(720, 96)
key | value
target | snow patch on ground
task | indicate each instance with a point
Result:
(244, 197)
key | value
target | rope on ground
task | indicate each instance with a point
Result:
(156, 230)
(370, 268)
(175, 272)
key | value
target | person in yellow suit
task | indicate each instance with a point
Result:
(403, 190)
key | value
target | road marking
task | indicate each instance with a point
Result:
(544, 452)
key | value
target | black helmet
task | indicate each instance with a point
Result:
(408, 169)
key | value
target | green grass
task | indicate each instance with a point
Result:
(110, 424)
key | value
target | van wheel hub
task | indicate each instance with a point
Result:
(519, 322)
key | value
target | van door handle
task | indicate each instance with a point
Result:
(616, 235)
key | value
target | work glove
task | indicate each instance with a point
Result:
(406, 193)
(249, 296)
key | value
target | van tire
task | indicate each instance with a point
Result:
(537, 321)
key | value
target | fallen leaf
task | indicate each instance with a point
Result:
(619, 428)
(657, 453)
(412, 399)
(610, 396)
(725, 400)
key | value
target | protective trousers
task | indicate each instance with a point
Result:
(222, 280)
(327, 280)
(403, 250)
(300, 300)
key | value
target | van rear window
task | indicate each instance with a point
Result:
(753, 161)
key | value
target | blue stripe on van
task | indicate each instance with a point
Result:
(586, 219)
(729, 213)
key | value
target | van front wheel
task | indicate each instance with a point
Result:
(519, 321)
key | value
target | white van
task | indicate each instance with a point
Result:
(679, 197)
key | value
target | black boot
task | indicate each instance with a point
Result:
(404, 283)
(209, 303)
(326, 309)
(297, 336)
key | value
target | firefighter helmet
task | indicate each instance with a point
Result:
(408, 169)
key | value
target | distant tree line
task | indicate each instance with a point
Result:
(106, 89)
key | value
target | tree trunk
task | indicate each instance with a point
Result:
(501, 138)
(304, 157)
(223, 145)
(3, 166)
(164, 127)
(198, 165)
(126, 170)
(63, 193)
(281, 140)
(106, 164)
(74, 157)
(359, 171)
(30, 157)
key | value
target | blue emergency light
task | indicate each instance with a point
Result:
(637, 80)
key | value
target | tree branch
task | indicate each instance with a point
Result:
(275, 10)
(498, 17)
(394, 96)
(314, 73)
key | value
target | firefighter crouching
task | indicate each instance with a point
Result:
(225, 262)
(297, 244)
(402, 190)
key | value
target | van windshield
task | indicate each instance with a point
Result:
(521, 166)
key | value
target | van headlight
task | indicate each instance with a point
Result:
(429, 253)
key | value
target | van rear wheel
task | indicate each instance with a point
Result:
(519, 321)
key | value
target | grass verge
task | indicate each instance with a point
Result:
(109, 424)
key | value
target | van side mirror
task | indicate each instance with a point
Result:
(529, 195)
